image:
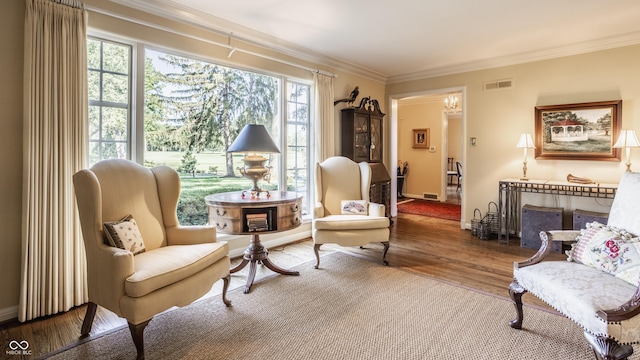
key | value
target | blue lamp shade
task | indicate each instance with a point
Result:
(254, 138)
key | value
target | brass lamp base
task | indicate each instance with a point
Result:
(254, 169)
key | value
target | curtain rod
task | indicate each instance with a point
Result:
(230, 47)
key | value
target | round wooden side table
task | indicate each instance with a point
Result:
(233, 213)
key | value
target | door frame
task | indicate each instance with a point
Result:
(392, 140)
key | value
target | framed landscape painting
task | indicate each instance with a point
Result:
(585, 131)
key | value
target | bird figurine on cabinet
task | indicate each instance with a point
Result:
(352, 97)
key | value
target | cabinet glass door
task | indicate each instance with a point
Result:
(361, 141)
(375, 151)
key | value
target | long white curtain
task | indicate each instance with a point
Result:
(324, 125)
(55, 146)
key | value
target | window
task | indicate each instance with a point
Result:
(193, 110)
(298, 130)
(109, 84)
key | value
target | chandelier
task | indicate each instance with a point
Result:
(451, 103)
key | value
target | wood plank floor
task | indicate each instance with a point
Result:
(428, 246)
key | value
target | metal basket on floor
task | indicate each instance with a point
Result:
(475, 222)
(484, 228)
(492, 218)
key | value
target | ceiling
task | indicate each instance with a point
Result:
(405, 39)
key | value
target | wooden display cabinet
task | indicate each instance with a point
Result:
(362, 133)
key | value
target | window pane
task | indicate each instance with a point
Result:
(94, 122)
(93, 82)
(115, 88)
(191, 118)
(116, 58)
(114, 150)
(93, 54)
(94, 152)
(114, 124)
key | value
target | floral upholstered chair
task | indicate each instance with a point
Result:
(597, 287)
(343, 214)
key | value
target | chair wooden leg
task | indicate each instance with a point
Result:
(88, 319)
(137, 333)
(384, 253)
(515, 292)
(608, 349)
(225, 287)
(316, 247)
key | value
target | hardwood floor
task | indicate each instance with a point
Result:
(432, 247)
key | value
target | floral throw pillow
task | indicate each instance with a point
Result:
(609, 249)
(353, 207)
(124, 234)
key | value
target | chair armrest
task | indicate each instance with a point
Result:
(626, 311)
(107, 270)
(546, 237)
(187, 235)
(563, 235)
(318, 210)
(376, 210)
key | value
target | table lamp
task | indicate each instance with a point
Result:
(525, 142)
(627, 140)
(254, 140)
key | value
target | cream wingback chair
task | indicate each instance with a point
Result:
(343, 214)
(179, 264)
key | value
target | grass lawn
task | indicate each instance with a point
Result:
(192, 209)
(205, 160)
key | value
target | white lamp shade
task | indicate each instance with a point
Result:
(627, 139)
(526, 141)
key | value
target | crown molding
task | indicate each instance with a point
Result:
(172, 11)
(526, 57)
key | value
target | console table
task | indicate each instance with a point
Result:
(509, 199)
(233, 213)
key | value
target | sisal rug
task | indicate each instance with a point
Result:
(350, 308)
(430, 208)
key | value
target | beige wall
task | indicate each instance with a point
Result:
(11, 46)
(425, 174)
(496, 118)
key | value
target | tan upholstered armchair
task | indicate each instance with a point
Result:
(179, 264)
(343, 214)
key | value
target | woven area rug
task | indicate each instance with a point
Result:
(430, 208)
(350, 308)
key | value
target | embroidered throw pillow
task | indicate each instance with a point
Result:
(629, 268)
(124, 234)
(353, 207)
(594, 233)
(609, 249)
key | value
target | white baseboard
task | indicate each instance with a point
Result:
(9, 313)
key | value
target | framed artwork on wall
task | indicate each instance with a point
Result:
(585, 131)
(421, 138)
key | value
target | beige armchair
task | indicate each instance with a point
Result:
(179, 264)
(340, 181)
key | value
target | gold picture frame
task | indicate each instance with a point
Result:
(584, 131)
(421, 138)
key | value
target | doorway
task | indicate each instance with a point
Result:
(435, 157)
(452, 142)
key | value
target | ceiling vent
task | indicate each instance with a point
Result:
(498, 84)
